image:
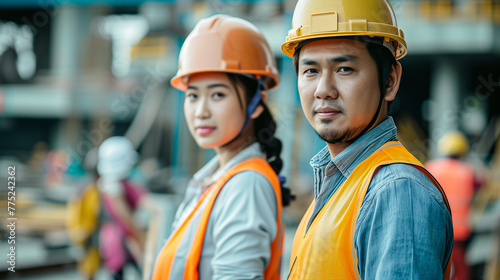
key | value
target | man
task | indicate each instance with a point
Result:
(377, 213)
(457, 178)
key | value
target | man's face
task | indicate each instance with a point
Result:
(338, 87)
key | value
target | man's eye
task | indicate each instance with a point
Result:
(310, 71)
(345, 69)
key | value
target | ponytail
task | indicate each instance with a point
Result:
(265, 127)
(264, 130)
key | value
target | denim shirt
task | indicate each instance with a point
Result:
(403, 229)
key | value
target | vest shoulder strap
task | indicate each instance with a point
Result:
(255, 164)
(390, 153)
(165, 260)
(346, 200)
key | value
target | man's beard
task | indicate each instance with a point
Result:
(335, 136)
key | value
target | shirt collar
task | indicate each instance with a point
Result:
(209, 170)
(355, 153)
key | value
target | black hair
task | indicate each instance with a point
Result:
(264, 130)
(383, 57)
(384, 60)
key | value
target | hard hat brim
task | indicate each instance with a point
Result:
(288, 48)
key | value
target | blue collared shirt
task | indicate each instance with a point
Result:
(403, 229)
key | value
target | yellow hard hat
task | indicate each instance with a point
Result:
(453, 143)
(314, 19)
(226, 44)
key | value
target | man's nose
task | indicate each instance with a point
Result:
(326, 88)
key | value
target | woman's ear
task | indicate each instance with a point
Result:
(393, 81)
(263, 96)
(259, 109)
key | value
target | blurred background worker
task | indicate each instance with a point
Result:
(104, 215)
(120, 238)
(83, 219)
(457, 179)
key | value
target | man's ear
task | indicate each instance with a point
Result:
(259, 109)
(393, 81)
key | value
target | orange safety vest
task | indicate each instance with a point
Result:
(326, 250)
(206, 202)
(457, 179)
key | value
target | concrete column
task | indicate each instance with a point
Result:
(70, 30)
(445, 92)
(283, 102)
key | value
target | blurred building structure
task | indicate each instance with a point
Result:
(75, 72)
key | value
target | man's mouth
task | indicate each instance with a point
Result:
(327, 112)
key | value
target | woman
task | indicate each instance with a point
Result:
(229, 225)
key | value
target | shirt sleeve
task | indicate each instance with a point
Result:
(245, 225)
(404, 230)
(133, 193)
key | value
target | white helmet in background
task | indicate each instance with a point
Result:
(116, 157)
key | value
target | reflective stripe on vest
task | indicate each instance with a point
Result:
(326, 250)
(197, 221)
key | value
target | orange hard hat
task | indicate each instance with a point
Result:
(226, 44)
(316, 19)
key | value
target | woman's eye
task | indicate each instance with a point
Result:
(218, 95)
(191, 96)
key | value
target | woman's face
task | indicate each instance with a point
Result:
(214, 112)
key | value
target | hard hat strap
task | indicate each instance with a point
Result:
(252, 104)
(383, 72)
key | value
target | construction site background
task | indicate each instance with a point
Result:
(75, 72)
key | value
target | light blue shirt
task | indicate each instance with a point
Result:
(242, 224)
(403, 229)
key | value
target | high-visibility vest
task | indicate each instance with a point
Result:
(165, 260)
(457, 180)
(326, 250)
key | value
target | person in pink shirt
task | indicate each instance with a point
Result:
(121, 240)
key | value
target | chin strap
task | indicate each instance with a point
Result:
(250, 108)
(374, 119)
